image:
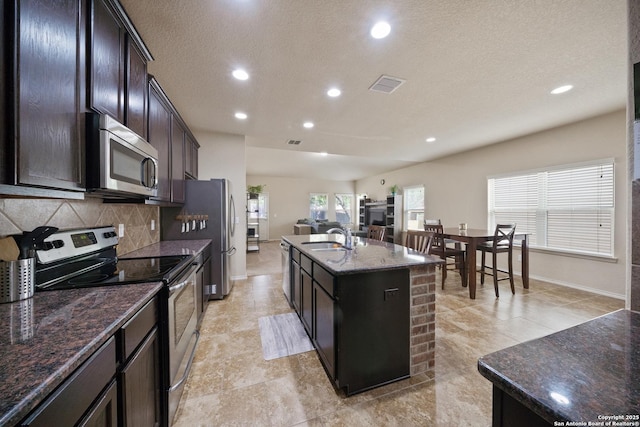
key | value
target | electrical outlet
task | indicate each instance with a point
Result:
(121, 230)
(153, 224)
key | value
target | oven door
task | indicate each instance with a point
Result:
(183, 335)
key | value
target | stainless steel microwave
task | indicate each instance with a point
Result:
(119, 161)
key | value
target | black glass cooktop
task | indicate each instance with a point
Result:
(124, 271)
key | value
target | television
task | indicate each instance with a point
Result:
(377, 216)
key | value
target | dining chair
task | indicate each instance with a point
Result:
(502, 243)
(418, 240)
(439, 248)
(375, 232)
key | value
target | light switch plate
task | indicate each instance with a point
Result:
(121, 230)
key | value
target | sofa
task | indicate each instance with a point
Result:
(313, 226)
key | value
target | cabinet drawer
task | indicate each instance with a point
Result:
(324, 279)
(71, 400)
(295, 255)
(134, 331)
(306, 263)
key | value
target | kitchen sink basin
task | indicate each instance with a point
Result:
(328, 249)
(323, 245)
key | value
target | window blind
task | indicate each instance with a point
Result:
(568, 208)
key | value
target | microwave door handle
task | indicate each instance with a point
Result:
(149, 170)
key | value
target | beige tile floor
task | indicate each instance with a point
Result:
(231, 385)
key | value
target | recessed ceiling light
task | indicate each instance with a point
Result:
(240, 74)
(334, 92)
(562, 89)
(431, 139)
(324, 153)
(308, 125)
(380, 30)
(240, 115)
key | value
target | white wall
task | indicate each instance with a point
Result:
(222, 155)
(289, 199)
(456, 191)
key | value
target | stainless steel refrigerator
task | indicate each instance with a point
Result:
(212, 200)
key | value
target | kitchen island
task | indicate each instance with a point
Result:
(585, 375)
(369, 310)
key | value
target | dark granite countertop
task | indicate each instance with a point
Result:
(580, 374)
(45, 338)
(170, 247)
(366, 256)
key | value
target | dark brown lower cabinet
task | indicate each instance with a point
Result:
(296, 288)
(306, 310)
(140, 381)
(76, 396)
(105, 411)
(324, 333)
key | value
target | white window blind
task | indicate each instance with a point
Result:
(569, 208)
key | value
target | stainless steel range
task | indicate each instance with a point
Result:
(83, 258)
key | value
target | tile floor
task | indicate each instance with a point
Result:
(231, 385)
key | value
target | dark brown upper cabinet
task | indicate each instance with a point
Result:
(177, 159)
(160, 137)
(117, 66)
(191, 147)
(42, 132)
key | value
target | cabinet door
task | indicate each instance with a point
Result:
(296, 289)
(106, 59)
(306, 310)
(177, 160)
(324, 332)
(47, 79)
(105, 411)
(140, 381)
(160, 138)
(136, 90)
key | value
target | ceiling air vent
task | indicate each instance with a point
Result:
(386, 84)
(294, 142)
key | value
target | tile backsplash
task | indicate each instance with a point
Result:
(18, 215)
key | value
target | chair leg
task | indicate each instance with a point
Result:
(443, 270)
(482, 269)
(495, 273)
(513, 289)
(463, 270)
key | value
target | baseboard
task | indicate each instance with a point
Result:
(581, 288)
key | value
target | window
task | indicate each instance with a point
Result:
(344, 208)
(567, 208)
(318, 205)
(414, 207)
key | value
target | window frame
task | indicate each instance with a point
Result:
(326, 210)
(554, 200)
(351, 212)
(406, 212)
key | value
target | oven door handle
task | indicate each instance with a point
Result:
(188, 368)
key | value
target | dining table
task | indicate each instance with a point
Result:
(472, 237)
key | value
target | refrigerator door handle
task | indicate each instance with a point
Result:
(230, 251)
(232, 215)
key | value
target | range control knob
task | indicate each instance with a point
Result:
(57, 244)
(109, 234)
(47, 246)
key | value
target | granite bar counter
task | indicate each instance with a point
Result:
(43, 339)
(585, 375)
(370, 257)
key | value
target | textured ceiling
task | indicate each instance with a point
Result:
(477, 72)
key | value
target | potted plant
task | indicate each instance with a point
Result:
(254, 190)
(394, 189)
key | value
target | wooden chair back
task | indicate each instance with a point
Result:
(503, 236)
(375, 232)
(418, 240)
(436, 229)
